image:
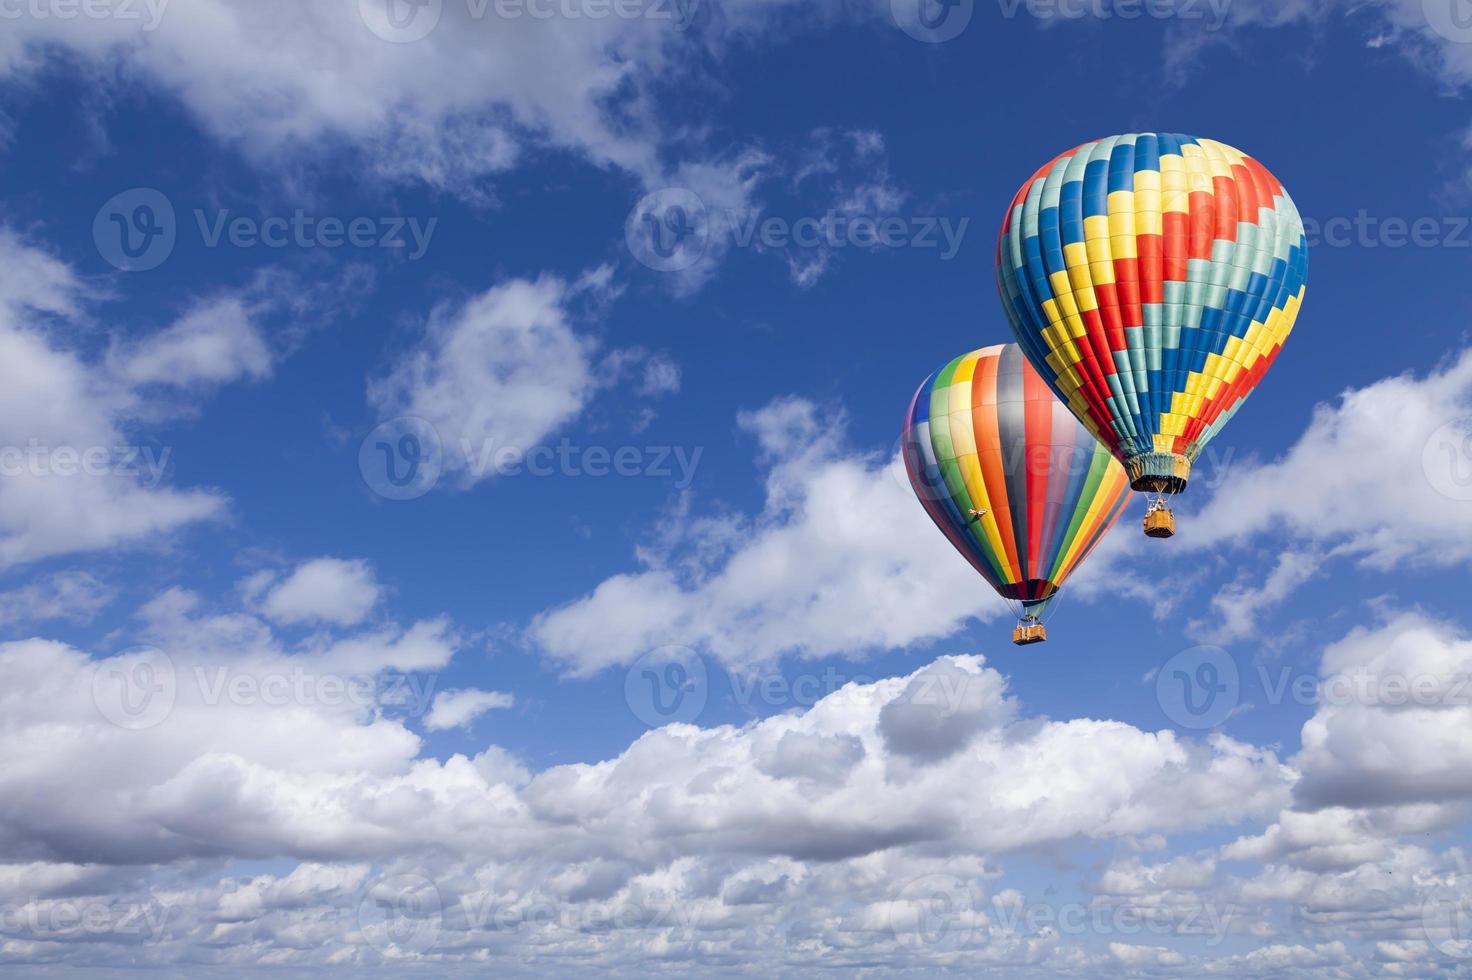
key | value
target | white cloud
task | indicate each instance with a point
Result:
(1392, 723)
(331, 590)
(457, 709)
(281, 78)
(808, 810)
(661, 377)
(78, 469)
(1240, 605)
(287, 85)
(498, 373)
(73, 596)
(1187, 37)
(76, 478)
(213, 343)
(852, 169)
(813, 838)
(841, 559)
(1383, 475)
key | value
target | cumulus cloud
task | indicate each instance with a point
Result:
(73, 596)
(737, 827)
(79, 471)
(840, 559)
(1240, 605)
(215, 342)
(209, 739)
(821, 836)
(1404, 499)
(287, 84)
(500, 372)
(1382, 477)
(1395, 707)
(76, 477)
(457, 709)
(281, 78)
(331, 590)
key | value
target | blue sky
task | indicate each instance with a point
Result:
(741, 702)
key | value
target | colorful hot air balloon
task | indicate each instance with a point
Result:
(1018, 486)
(1152, 278)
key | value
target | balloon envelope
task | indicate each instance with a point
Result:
(984, 434)
(1151, 279)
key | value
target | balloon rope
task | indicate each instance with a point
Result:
(1052, 606)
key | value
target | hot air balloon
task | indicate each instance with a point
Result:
(1151, 279)
(1020, 488)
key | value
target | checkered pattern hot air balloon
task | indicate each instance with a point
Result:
(1020, 488)
(1151, 279)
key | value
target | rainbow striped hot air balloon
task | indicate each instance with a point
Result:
(1151, 279)
(1018, 486)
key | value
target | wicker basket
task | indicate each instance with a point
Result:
(1160, 523)
(1029, 633)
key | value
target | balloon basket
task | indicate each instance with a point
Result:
(1158, 472)
(1029, 633)
(1160, 523)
